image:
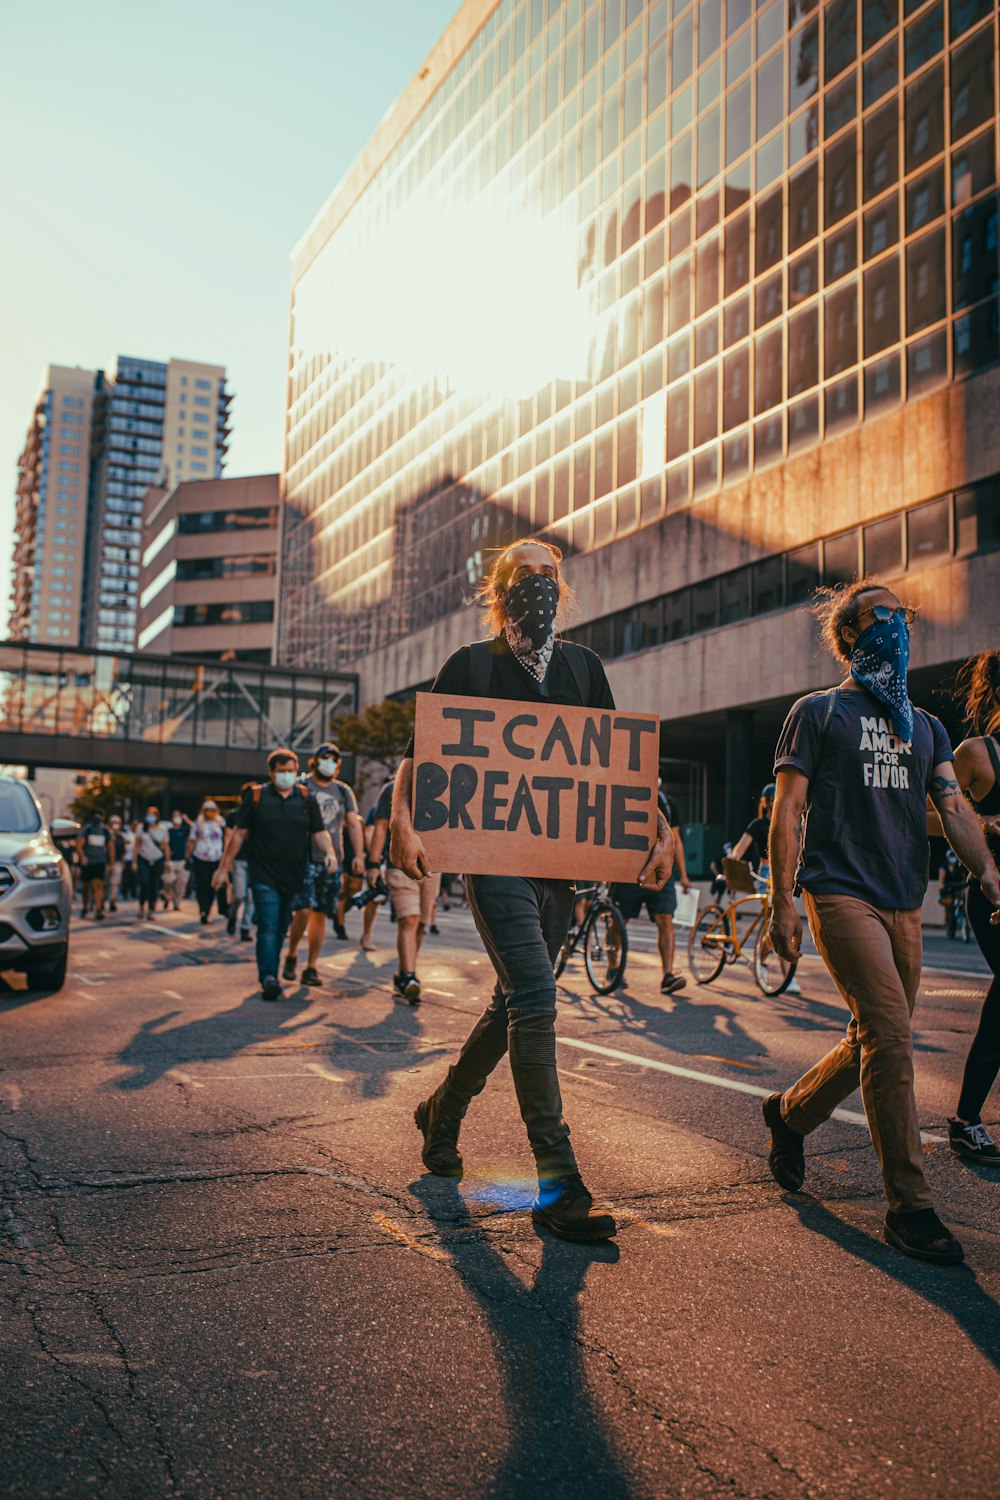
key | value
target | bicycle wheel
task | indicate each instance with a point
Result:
(772, 972)
(605, 947)
(562, 958)
(708, 945)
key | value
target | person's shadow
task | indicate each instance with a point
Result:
(953, 1289)
(157, 1046)
(372, 1053)
(558, 1445)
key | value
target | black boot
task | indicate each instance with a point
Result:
(440, 1132)
(565, 1206)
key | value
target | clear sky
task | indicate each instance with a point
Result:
(159, 163)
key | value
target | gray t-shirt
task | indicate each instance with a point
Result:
(866, 825)
(335, 800)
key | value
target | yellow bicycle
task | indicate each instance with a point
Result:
(716, 939)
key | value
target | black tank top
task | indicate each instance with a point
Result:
(989, 805)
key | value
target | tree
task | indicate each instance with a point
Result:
(377, 737)
(112, 792)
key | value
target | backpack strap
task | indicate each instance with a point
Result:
(991, 750)
(480, 668)
(832, 700)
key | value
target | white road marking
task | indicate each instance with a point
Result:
(93, 983)
(184, 1078)
(322, 1072)
(188, 937)
(849, 1115)
(173, 995)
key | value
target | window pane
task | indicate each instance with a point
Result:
(881, 226)
(735, 596)
(924, 117)
(841, 405)
(841, 323)
(928, 532)
(705, 605)
(769, 236)
(706, 405)
(925, 199)
(803, 573)
(678, 440)
(840, 35)
(881, 161)
(975, 265)
(972, 67)
(737, 122)
(768, 585)
(770, 95)
(925, 281)
(736, 389)
(884, 546)
(963, 14)
(878, 17)
(881, 72)
(924, 38)
(841, 104)
(841, 253)
(977, 518)
(803, 423)
(926, 363)
(649, 623)
(803, 207)
(803, 278)
(768, 381)
(803, 351)
(972, 168)
(803, 65)
(841, 179)
(977, 339)
(882, 384)
(882, 305)
(840, 557)
(677, 615)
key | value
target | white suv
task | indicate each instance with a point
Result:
(36, 891)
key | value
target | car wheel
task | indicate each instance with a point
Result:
(48, 977)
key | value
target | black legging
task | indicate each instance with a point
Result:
(204, 869)
(983, 1062)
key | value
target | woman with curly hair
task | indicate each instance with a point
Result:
(977, 767)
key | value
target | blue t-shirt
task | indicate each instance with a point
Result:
(866, 821)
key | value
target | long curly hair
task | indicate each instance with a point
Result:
(978, 689)
(836, 607)
(493, 589)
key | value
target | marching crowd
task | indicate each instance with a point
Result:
(862, 777)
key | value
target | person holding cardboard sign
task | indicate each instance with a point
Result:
(522, 919)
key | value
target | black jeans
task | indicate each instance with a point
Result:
(983, 1062)
(203, 870)
(522, 924)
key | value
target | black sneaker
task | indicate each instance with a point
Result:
(244, 934)
(231, 924)
(113, 906)
(407, 986)
(288, 968)
(921, 1235)
(432, 929)
(566, 1208)
(787, 1157)
(270, 988)
(98, 916)
(440, 1132)
(311, 978)
(340, 932)
(670, 983)
(973, 1141)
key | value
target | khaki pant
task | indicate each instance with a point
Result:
(411, 898)
(874, 959)
(175, 879)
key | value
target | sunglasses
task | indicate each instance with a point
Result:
(883, 612)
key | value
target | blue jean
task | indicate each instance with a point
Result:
(522, 924)
(273, 913)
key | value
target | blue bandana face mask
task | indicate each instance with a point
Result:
(879, 662)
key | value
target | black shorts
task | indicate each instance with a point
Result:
(630, 899)
(94, 872)
(319, 891)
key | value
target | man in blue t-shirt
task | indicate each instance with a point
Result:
(854, 768)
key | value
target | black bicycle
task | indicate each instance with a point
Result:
(604, 937)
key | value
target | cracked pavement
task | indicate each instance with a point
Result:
(224, 1273)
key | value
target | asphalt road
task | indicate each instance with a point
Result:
(224, 1273)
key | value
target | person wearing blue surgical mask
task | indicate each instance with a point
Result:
(283, 822)
(854, 768)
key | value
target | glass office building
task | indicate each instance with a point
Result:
(684, 286)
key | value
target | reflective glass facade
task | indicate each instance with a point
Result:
(622, 255)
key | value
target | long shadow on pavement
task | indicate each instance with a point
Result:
(695, 1030)
(157, 1047)
(558, 1446)
(372, 1052)
(953, 1289)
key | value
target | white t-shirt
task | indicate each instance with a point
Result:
(153, 842)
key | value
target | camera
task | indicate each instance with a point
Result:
(377, 892)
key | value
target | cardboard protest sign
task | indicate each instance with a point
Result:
(505, 788)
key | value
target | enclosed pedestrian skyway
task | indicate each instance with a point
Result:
(159, 716)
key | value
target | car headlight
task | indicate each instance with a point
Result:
(43, 868)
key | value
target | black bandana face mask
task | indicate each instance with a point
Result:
(531, 605)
